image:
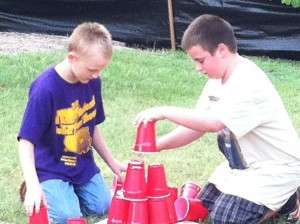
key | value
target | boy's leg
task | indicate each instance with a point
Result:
(291, 209)
(233, 209)
(293, 216)
(94, 196)
(224, 208)
(208, 195)
(61, 199)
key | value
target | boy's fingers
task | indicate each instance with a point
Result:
(29, 209)
(37, 207)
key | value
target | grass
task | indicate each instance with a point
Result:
(134, 80)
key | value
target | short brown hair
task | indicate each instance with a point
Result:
(209, 31)
(89, 34)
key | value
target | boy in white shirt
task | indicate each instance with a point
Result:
(262, 171)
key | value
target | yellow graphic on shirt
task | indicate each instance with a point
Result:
(69, 122)
(69, 160)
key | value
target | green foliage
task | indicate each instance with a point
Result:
(133, 81)
(294, 3)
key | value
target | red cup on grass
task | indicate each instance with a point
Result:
(39, 218)
(138, 212)
(156, 180)
(77, 221)
(190, 209)
(146, 138)
(159, 211)
(189, 190)
(118, 211)
(135, 186)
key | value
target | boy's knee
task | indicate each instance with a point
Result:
(96, 207)
(62, 216)
(101, 208)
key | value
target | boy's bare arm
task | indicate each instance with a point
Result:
(103, 150)
(34, 196)
(202, 121)
(180, 136)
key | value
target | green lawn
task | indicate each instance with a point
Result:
(134, 80)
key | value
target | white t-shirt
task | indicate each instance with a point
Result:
(260, 143)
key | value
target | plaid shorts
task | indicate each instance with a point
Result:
(226, 208)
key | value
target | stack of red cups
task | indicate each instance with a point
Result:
(129, 205)
(143, 200)
(161, 197)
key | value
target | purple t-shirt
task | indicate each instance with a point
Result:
(59, 120)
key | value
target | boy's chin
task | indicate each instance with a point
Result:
(84, 81)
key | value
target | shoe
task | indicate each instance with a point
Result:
(293, 217)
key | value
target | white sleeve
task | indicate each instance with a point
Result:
(237, 111)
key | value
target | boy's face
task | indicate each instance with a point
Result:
(206, 63)
(87, 67)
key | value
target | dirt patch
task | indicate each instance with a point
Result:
(13, 42)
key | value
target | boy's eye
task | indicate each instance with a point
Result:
(200, 61)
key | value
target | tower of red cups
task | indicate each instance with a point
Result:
(145, 196)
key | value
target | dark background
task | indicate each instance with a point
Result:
(262, 27)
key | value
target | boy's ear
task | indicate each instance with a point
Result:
(71, 56)
(222, 50)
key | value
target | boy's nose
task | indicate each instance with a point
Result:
(199, 68)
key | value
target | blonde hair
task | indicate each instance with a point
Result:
(88, 35)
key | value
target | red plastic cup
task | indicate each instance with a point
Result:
(190, 209)
(146, 138)
(157, 181)
(138, 212)
(189, 190)
(39, 218)
(118, 211)
(136, 162)
(173, 193)
(77, 221)
(171, 208)
(116, 185)
(159, 211)
(135, 186)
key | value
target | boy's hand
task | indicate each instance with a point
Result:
(34, 198)
(155, 113)
(118, 168)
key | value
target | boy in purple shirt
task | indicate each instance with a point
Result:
(59, 131)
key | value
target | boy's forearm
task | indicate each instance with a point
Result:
(101, 147)
(179, 137)
(192, 119)
(26, 154)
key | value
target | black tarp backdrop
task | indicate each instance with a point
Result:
(262, 27)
